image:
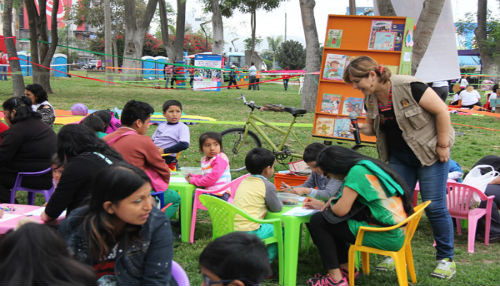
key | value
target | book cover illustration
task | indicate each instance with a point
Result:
(330, 103)
(334, 67)
(324, 126)
(343, 128)
(378, 26)
(384, 41)
(352, 104)
(333, 38)
(399, 29)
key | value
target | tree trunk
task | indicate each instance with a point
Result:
(179, 30)
(427, 21)
(352, 7)
(218, 28)
(108, 49)
(486, 52)
(253, 25)
(313, 55)
(15, 67)
(167, 42)
(116, 63)
(385, 8)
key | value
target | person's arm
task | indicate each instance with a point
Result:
(154, 159)
(180, 146)
(273, 203)
(331, 189)
(433, 104)
(219, 165)
(344, 204)
(304, 189)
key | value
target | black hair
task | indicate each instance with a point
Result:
(210, 135)
(22, 106)
(113, 184)
(94, 123)
(54, 160)
(311, 152)
(258, 159)
(105, 116)
(38, 91)
(339, 160)
(495, 87)
(237, 256)
(171, 102)
(75, 139)
(34, 254)
(134, 110)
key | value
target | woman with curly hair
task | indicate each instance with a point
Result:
(40, 103)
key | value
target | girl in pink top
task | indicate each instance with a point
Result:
(214, 165)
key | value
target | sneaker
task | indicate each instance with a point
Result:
(386, 265)
(445, 269)
(346, 273)
(327, 280)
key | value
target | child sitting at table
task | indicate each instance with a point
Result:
(326, 187)
(172, 136)
(214, 165)
(235, 259)
(256, 195)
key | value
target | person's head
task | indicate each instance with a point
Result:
(469, 88)
(260, 161)
(57, 168)
(311, 154)
(104, 115)
(75, 139)
(235, 259)
(136, 115)
(120, 203)
(337, 161)
(17, 109)
(495, 88)
(35, 93)
(252, 64)
(94, 123)
(365, 74)
(34, 254)
(210, 144)
(172, 110)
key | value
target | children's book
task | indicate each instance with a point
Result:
(334, 67)
(330, 103)
(384, 41)
(352, 104)
(343, 128)
(399, 29)
(333, 38)
(378, 26)
(324, 126)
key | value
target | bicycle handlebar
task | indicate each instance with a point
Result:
(250, 104)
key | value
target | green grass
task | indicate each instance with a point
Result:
(480, 268)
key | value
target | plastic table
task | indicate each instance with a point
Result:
(186, 192)
(291, 241)
(13, 213)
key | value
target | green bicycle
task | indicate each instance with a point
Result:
(238, 141)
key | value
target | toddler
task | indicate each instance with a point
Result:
(214, 165)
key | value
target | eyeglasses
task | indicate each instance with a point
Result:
(208, 282)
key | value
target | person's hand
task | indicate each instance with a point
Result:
(327, 204)
(298, 191)
(45, 218)
(23, 221)
(285, 187)
(188, 178)
(160, 149)
(311, 203)
(443, 153)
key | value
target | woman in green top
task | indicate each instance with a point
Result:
(372, 194)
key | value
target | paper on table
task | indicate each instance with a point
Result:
(36, 212)
(177, 180)
(300, 211)
(7, 216)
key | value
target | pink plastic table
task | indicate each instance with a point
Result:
(13, 213)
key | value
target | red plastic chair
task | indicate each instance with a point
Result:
(232, 186)
(458, 202)
(31, 192)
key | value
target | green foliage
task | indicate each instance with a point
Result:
(248, 43)
(291, 55)
(469, 24)
(250, 6)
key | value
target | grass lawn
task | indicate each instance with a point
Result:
(480, 268)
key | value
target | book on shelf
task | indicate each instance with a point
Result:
(333, 38)
(352, 104)
(378, 26)
(330, 103)
(384, 41)
(343, 128)
(399, 29)
(324, 126)
(334, 66)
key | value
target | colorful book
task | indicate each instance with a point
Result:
(334, 67)
(378, 26)
(384, 41)
(333, 38)
(399, 29)
(343, 128)
(330, 103)
(324, 126)
(352, 104)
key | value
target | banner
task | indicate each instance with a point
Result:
(204, 78)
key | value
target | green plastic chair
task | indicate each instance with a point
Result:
(222, 215)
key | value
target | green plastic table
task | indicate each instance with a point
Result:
(186, 191)
(291, 241)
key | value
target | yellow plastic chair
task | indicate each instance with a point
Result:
(402, 258)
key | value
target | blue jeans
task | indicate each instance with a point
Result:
(3, 72)
(432, 180)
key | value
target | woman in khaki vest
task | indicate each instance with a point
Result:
(414, 135)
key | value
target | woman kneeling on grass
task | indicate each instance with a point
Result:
(372, 194)
(120, 234)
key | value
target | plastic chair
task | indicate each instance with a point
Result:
(222, 215)
(403, 258)
(232, 186)
(458, 202)
(179, 274)
(31, 192)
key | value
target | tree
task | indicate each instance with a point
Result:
(15, 66)
(273, 44)
(352, 7)
(291, 55)
(487, 36)
(248, 43)
(173, 45)
(313, 55)
(218, 28)
(41, 51)
(108, 43)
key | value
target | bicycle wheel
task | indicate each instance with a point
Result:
(231, 140)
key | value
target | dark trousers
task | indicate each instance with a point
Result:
(252, 81)
(172, 81)
(7, 180)
(232, 81)
(442, 91)
(332, 240)
(285, 83)
(491, 190)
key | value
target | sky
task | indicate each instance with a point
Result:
(272, 24)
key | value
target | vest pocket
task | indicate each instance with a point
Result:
(415, 116)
